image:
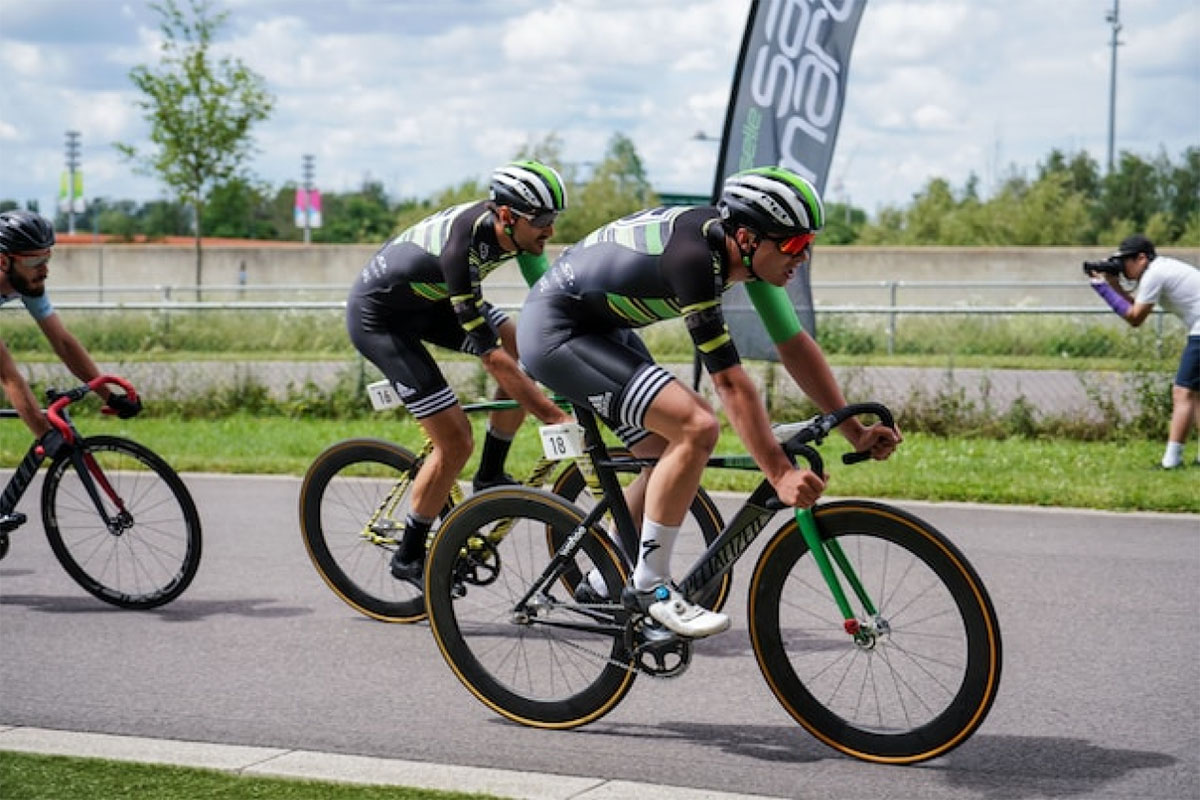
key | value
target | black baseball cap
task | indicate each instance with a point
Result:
(1132, 245)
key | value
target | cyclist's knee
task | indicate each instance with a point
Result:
(452, 438)
(701, 429)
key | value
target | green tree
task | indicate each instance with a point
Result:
(618, 186)
(200, 111)
(239, 209)
(364, 216)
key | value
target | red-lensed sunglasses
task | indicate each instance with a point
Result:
(794, 245)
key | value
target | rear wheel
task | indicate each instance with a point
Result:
(527, 650)
(353, 503)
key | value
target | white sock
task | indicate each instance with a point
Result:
(1173, 457)
(654, 559)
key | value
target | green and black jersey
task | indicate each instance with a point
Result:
(444, 258)
(660, 264)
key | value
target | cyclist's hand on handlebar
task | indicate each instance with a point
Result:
(879, 439)
(799, 488)
(122, 406)
(53, 445)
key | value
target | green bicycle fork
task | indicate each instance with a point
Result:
(821, 552)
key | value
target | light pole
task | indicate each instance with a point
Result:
(1113, 18)
(72, 164)
(306, 167)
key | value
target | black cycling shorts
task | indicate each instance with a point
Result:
(610, 371)
(397, 347)
(1188, 374)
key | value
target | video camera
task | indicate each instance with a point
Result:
(1110, 266)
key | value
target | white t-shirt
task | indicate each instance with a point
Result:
(1175, 285)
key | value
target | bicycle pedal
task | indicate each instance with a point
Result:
(10, 522)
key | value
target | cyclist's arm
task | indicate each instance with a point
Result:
(463, 282)
(20, 395)
(748, 416)
(532, 267)
(71, 352)
(503, 367)
(804, 360)
(746, 413)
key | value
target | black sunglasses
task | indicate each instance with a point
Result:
(542, 219)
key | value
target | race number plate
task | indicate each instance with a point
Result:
(562, 441)
(382, 395)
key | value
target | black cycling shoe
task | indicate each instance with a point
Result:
(503, 479)
(412, 572)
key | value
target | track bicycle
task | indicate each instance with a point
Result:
(118, 517)
(356, 494)
(870, 627)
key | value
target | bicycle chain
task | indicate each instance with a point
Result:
(633, 667)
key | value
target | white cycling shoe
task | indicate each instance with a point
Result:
(676, 614)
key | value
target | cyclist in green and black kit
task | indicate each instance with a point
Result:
(575, 336)
(424, 285)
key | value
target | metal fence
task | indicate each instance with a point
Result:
(895, 312)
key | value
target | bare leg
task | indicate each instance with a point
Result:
(689, 426)
(1185, 412)
(450, 433)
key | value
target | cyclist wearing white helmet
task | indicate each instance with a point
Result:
(575, 335)
(26, 245)
(424, 286)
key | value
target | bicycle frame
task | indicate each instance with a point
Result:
(386, 510)
(739, 533)
(15, 489)
(90, 474)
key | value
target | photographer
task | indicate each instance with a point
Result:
(1176, 285)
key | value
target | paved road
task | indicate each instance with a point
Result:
(1100, 696)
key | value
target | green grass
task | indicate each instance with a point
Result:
(40, 777)
(1117, 475)
(1042, 341)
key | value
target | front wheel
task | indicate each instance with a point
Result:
(353, 504)
(506, 624)
(148, 550)
(921, 673)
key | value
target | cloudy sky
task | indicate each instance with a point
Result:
(423, 95)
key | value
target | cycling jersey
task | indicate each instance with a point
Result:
(424, 286)
(38, 307)
(442, 258)
(574, 331)
(655, 265)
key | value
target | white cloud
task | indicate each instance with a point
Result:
(425, 95)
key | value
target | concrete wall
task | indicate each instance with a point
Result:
(114, 266)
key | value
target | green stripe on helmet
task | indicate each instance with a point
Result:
(816, 210)
(551, 178)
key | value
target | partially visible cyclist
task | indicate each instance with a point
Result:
(424, 286)
(26, 246)
(575, 336)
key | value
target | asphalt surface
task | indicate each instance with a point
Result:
(259, 668)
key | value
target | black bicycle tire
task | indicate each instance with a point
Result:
(970, 703)
(313, 493)
(54, 506)
(466, 520)
(570, 483)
